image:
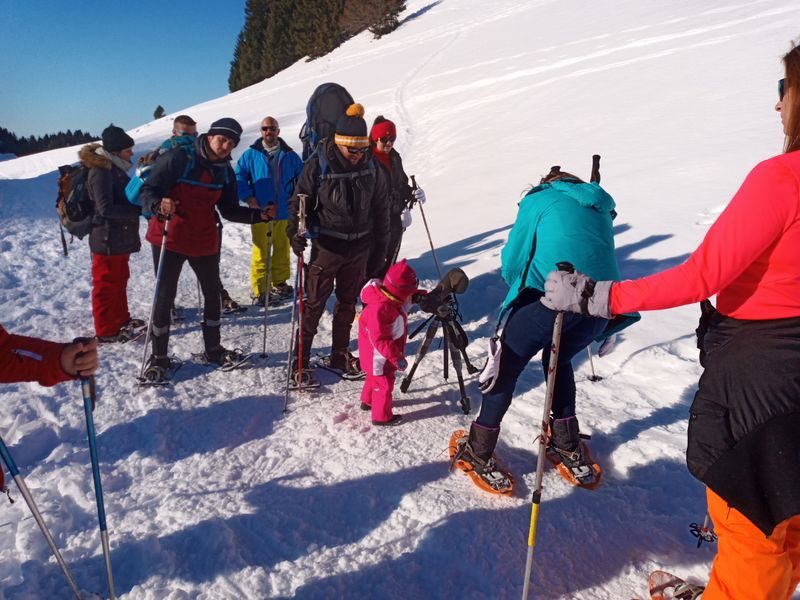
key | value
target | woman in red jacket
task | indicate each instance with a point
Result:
(744, 426)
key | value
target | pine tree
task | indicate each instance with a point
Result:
(158, 112)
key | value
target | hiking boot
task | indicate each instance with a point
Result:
(566, 441)
(228, 303)
(346, 363)
(226, 359)
(134, 324)
(259, 300)
(304, 378)
(282, 291)
(476, 453)
(156, 369)
(395, 420)
(121, 337)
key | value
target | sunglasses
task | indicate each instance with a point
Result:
(781, 89)
(269, 128)
(388, 139)
(356, 150)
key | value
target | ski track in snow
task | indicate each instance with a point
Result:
(211, 491)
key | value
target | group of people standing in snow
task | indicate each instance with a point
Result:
(743, 440)
(356, 196)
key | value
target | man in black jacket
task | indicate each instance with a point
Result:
(348, 218)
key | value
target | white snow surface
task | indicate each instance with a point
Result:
(211, 491)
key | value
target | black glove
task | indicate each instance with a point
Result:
(299, 244)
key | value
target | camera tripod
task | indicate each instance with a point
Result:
(455, 345)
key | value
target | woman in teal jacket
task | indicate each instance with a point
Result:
(562, 219)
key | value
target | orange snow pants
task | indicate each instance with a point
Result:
(749, 565)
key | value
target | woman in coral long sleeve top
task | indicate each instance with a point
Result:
(744, 426)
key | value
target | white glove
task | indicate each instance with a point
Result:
(578, 293)
(419, 195)
(405, 218)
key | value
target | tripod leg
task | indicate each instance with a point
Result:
(458, 367)
(423, 348)
(447, 341)
(461, 343)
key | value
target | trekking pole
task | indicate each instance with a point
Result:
(302, 229)
(594, 376)
(548, 403)
(291, 338)
(428, 231)
(155, 294)
(89, 401)
(23, 489)
(199, 298)
(268, 283)
(594, 178)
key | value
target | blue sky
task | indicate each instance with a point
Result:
(85, 64)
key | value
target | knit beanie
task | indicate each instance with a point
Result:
(228, 127)
(115, 139)
(382, 129)
(351, 128)
(400, 280)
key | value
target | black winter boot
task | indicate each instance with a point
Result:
(566, 441)
(476, 453)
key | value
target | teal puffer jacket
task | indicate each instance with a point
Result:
(560, 221)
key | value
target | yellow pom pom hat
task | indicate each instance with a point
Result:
(351, 128)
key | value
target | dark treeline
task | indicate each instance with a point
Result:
(277, 33)
(21, 146)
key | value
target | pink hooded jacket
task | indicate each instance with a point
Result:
(382, 330)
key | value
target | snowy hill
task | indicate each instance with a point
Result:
(212, 492)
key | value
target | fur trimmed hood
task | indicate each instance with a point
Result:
(89, 157)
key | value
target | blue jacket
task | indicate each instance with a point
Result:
(255, 176)
(560, 221)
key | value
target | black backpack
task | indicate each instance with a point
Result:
(328, 102)
(73, 205)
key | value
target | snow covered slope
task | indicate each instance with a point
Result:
(212, 492)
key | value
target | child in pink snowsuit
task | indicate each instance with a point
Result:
(382, 333)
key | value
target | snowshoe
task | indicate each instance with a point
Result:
(281, 293)
(229, 305)
(303, 380)
(123, 336)
(345, 366)
(159, 371)
(577, 467)
(666, 586)
(225, 360)
(487, 475)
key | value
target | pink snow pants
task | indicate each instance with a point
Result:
(377, 392)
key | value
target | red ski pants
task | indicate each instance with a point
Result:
(377, 392)
(749, 564)
(110, 292)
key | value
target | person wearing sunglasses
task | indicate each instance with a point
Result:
(348, 219)
(744, 422)
(383, 135)
(266, 175)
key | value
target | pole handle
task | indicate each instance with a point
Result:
(595, 176)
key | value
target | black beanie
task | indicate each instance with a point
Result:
(115, 139)
(351, 128)
(228, 127)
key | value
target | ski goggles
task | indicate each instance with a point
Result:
(269, 128)
(352, 150)
(781, 89)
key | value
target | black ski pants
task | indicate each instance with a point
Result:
(206, 268)
(325, 271)
(157, 253)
